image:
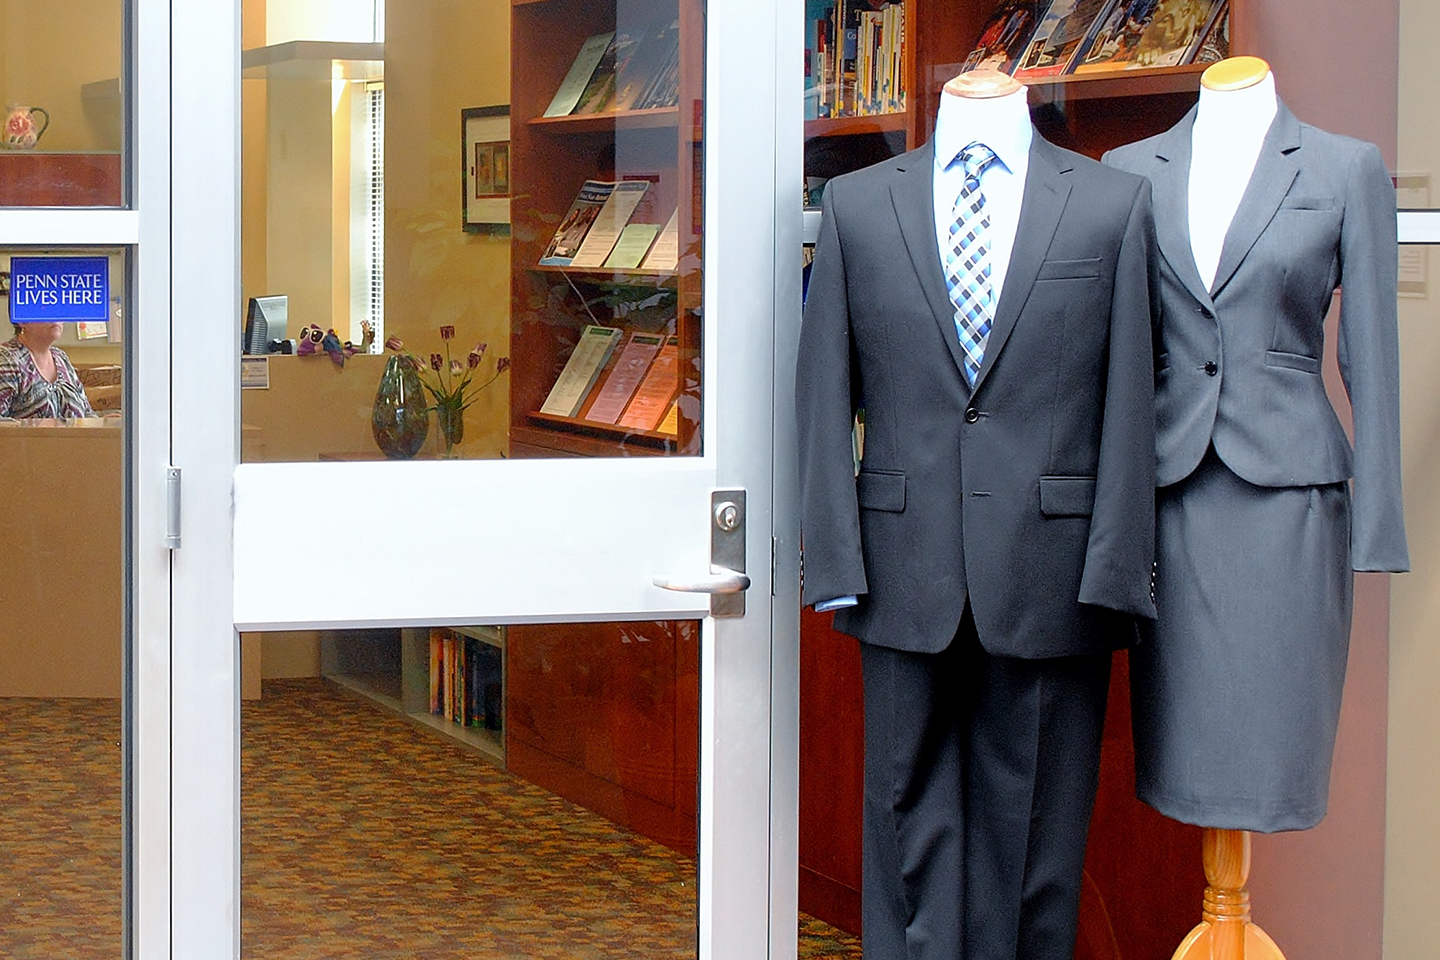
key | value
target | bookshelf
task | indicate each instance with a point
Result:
(1089, 113)
(392, 668)
(551, 159)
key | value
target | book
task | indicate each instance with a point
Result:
(599, 94)
(576, 223)
(648, 65)
(652, 398)
(1006, 35)
(608, 222)
(589, 357)
(1114, 40)
(1174, 33)
(1215, 45)
(580, 74)
(625, 377)
(632, 246)
(664, 254)
(1062, 31)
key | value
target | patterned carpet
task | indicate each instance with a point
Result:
(60, 833)
(362, 837)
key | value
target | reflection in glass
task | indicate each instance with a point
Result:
(62, 650)
(64, 106)
(569, 262)
(519, 791)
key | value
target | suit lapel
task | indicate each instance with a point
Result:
(914, 198)
(1170, 182)
(1275, 171)
(1046, 192)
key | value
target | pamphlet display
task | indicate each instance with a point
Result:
(581, 370)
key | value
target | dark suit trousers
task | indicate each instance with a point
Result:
(980, 775)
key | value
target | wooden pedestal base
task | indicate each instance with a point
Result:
(1226, 932)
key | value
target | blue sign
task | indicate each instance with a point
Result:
(50, 289)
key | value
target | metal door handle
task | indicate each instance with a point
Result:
(723, 580)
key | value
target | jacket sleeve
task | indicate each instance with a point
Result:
(826, 395)
(1120, 556)
(1369, 354)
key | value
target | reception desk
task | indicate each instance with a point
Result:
(61, 552)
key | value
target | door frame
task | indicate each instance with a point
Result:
(749, 706)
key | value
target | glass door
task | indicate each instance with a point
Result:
(514, 573)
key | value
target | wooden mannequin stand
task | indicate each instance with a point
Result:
(1226, 932)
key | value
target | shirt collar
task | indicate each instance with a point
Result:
(992, 122)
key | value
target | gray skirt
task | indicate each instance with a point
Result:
(1236, 693)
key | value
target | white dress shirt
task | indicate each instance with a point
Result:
(1003, 125)
(1230, 127)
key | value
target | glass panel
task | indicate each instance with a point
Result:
(65, 107)
(522, 791)
(62, 647)
(540, 299)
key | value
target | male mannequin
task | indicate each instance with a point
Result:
(997, 541)
(1258, 217)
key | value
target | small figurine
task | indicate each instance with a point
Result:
(310, 340)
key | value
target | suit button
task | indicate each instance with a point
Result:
(1211, 368)
(1205, 312)
(972, 415)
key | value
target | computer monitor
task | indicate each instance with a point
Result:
(266, 319)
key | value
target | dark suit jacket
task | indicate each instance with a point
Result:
(1033, 496)
(1239, 364)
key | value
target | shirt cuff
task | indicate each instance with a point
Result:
(825, 606)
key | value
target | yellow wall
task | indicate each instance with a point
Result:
(254, 149)
(440, 57)
(295, 208)
(1412, 855)
(52, 48)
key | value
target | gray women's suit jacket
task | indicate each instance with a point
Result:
(1239, 365)
(1033, 495)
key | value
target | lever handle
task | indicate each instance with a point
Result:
(722, 581)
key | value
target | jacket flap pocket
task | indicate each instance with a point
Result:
(879, 490)
(1067, 496)
(1070, 269)
(1291, 361)
(1307, 203)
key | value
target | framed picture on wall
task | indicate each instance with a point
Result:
(485, 163)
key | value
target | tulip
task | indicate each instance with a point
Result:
(436, 362)
(473, 360)
(502, 365)
(393, 342)
(447, 333)
(455, 368)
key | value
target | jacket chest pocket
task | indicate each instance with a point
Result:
(1086, 269)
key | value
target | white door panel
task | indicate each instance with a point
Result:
(436, 542)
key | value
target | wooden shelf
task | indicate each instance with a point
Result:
(489, 743)
(656, 118)
(846, 126)
(1122, 83)
(659, 278)
(613, 434)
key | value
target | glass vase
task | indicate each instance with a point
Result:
(450, 418)
(400, 419)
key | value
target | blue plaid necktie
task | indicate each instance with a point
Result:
(967, 267)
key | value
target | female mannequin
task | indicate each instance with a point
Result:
(1236, 694)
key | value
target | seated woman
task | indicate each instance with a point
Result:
(37, 379)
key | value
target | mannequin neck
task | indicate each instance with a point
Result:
(985, 119)
(1240, 111)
